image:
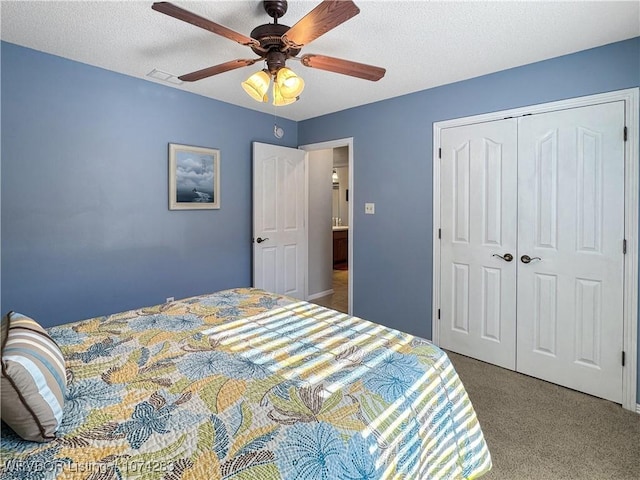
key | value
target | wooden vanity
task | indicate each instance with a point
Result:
(340, 245)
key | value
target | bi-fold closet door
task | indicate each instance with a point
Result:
(532, 229)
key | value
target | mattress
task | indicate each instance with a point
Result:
(245, 384)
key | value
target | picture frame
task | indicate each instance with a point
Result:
(194, 177)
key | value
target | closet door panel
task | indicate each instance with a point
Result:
(571, 224)
(478, 212)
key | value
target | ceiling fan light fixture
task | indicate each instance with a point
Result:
(289, 83)
(275, 43)
(257, 85)
(278, 99)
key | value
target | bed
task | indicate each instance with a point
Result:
(244, 384)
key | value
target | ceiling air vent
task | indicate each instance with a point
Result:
(164, 76)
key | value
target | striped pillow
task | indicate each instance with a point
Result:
(33, 378)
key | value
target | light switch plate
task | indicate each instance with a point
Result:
(370, 208)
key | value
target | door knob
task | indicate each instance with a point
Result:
(527, 258)
(260, 240)
(507, 257)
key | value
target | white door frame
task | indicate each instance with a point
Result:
(630, 321)
(342, 142)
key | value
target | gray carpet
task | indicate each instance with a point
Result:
(538, 430)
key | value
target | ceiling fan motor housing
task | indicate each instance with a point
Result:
(272, 48)
(270, 38)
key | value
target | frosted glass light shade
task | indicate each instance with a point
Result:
(257, 85)
(290, 84)
(278, 99)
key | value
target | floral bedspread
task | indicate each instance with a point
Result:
(244, 384)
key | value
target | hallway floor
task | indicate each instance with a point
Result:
(339, 299)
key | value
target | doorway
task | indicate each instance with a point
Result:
(330, 221)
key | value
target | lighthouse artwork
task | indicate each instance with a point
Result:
(194, 177)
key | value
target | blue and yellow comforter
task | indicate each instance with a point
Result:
(243, 384)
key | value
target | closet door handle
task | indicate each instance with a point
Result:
(528, 259)
(507, 257)
(260, 240)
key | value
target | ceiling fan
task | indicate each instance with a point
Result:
(275, 43)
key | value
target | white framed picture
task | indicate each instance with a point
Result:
(194, 177)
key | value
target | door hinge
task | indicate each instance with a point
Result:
(439, 316)
(623, 358)
(624, 246)
(625, 134)
(439, 233)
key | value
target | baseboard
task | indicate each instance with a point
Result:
(320, 294)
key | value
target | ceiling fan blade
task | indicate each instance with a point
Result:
(216, 69)
(326, 16)
(346, 67)
(186, 16)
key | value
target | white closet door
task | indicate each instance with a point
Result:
(478, 212)
(571, 216)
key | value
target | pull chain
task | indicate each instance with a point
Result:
(278, 132)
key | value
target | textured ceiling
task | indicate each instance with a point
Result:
(421, 44)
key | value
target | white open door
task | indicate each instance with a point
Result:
(279, 231)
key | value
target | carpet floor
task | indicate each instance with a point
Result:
(538, 430)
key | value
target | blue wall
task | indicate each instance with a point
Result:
(85, 225)
(393, 168)
(86, 228)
